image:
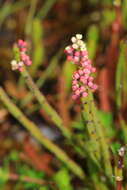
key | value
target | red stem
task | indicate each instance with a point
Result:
(118, 185)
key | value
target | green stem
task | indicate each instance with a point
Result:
(123, 126)
(45, 105)
(35, 132)
(87, 116)
(48, 72)
(101, 136)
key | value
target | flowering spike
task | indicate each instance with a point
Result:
(23, 58)
(82, 79)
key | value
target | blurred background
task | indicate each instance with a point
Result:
(47, 26)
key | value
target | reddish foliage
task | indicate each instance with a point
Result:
(39, 161)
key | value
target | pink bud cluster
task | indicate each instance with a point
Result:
(24, 58)
(82, 78)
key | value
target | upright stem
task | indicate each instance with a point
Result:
(101, 138)
(119, 168)
(118, 185)
(96, 131)
(45, 105)
(87, 116)
(35, 132)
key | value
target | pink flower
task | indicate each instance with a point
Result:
(84, 94)
(90, 84)
(74, 97)
(75, 87)
(77, 92)
(80, 72)
(77, 53)
(81, 79)
(24, 58)
(93, 69)
(76, 75)
(69, 58)
(74, 82)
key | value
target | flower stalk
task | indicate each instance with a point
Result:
(119, 168)
(101, 136)
(20, 63)
(82, 86)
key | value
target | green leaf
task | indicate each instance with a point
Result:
(25, 170)
(115, 147)
(78, 123)
(14, 156)
(120, 79)
(93, 35)
(3, 176)
(123, 133)
(125, 160)
(107, 17)
(107, 121)
(44, 188)
(38, 49)
(124, 13)
(62, 179)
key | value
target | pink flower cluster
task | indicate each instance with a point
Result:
(24, 58)
(82, 79)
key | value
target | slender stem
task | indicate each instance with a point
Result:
(48, 72)
(45, 105)
(35, 132)
(118, 185)
(96, 131)
(87, 116)
(101, 137)
(119, 168)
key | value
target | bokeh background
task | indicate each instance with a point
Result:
(47, 26)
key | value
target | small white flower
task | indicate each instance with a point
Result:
(118, 178)
(13, 62)
(14, 65)
(73, 39)
(75, 46)
(80, 43)
(79, 36)
(121, 151)
(83, 45)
